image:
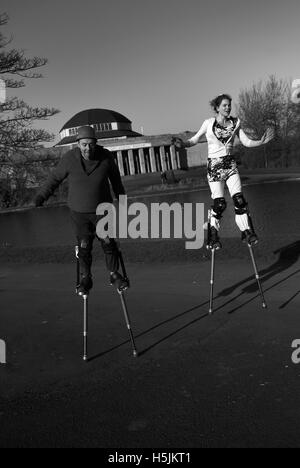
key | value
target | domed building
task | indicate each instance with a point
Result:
(107, 124)
(133, 152)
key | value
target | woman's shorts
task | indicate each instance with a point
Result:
(220, 169)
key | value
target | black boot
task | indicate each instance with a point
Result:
(116, 279)
(86, 283)
(250, 237)
(213, 241)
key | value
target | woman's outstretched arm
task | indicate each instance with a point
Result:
(179, 143)
(246, 141)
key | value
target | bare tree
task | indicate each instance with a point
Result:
(17, 118)
(269, 104)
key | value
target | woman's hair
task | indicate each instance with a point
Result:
(215, 103)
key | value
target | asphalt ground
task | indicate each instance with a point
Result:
(225, 380)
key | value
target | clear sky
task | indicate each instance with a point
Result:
(158, 62)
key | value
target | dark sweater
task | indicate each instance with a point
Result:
(88, 180)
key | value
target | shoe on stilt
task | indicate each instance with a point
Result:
(250, 237)
(121, 283)
(86, 283)
(214, 240)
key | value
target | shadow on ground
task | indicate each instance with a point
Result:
(288, 256)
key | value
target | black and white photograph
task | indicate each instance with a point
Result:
(149, 227)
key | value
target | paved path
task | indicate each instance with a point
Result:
(225, 380)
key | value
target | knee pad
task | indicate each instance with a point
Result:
(85, 244)
(240, 204)
(219, 207)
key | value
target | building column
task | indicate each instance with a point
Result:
(120, 163)
(163, 158)
(152, 159)
(173, 157)
(131, 162)
(142, 160)
(178, 158)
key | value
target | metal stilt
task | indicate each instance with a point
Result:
(127, 320)
(85, 327)
(124, 306)
(264, 304)
(212, 274)
(77, 268)
(85, 307)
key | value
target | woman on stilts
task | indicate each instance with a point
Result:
(220, 132)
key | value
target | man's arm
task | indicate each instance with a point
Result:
(115, 179)
(54, 180)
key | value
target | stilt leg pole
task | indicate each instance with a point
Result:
(212, 274)
(85, 307)
(123, 302)
(127, 320)
(212, 271)
(257, 276)
(85, 327)
(77, 267)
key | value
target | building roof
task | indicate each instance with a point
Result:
(93, 116)
(101, 136)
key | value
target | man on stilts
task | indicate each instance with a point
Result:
(89, 169)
